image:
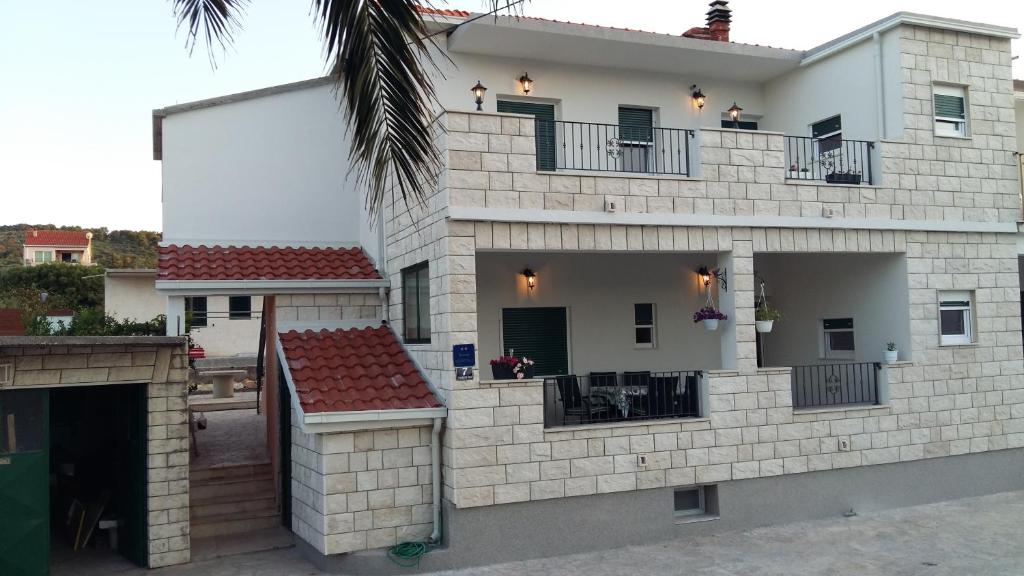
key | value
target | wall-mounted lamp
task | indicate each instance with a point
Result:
(526, 83)
(478, 91)
(531, 278)
(721, 274)
(698, 97)
(734, 113)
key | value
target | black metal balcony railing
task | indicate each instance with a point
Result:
(612, 148)
(831, 159)
(609, 397)
(835, 384)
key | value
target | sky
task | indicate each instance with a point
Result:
(79, 80)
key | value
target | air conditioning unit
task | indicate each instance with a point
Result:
(612, 203)
(6, 375)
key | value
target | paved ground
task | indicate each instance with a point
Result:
(232, 437)
(975, 536)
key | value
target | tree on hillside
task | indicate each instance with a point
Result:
(66, 285)
(377, 51)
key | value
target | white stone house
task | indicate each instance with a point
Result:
(870, 185)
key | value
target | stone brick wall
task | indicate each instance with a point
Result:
(325, 307)
(361, 490)
(164, 366)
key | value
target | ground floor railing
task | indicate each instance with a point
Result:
(835, 384)
(617, 397)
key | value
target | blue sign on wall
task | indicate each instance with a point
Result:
(464, 355)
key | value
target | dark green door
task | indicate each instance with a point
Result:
(544, 133)
(131, 422)
(540, 334)
(24, 483)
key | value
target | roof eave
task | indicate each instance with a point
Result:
(262, 287)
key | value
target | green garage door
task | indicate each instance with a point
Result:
(544, 133)
(24, 483)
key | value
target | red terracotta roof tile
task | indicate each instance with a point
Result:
(354, 370)
(441, 11)
(257, 263)
(72, 238)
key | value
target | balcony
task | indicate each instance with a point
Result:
(589, 146)
(605, 397)
(829, 159)
(828, 385)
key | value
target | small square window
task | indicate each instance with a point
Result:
(950, 108)
(956, 318)
(695, 503)
(239, 307)
(643, 325)
(838, 340)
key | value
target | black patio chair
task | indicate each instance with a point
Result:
(663, 396)
(577, 404)
(639, 403)
(603, 379)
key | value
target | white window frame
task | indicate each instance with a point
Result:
(654, 321)
(826, 343)
(959, 125)
(952, 300)
(645, 148)
(47, 256)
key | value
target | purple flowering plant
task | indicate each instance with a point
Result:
(708, 313)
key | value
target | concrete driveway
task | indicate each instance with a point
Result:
(973, 536)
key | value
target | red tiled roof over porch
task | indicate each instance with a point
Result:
(355, 369)
(262, 263)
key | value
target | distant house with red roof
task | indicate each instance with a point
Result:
(46, 246)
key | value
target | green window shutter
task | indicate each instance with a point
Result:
(948, 106)
(827, 126)
(636, 124)
(539, 334)
(544, 134)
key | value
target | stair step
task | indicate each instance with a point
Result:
(235, 508)
(235, 523)
(243, 471)
(237, 489)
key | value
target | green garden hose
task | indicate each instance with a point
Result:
(408, 554)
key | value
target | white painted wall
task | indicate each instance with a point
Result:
(591, 94)
(226, 337)
(1019, 116)
(871, 289)
(599, 291)
(268, 170)
(133, 297)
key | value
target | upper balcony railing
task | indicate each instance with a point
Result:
(612, 148)
(832, 159)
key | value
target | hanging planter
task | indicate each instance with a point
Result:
(764, 326)
(765, 314)
(891, 353)
(709, 316)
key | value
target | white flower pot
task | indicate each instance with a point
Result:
(891, 356)
(710, 325)
(764, 326)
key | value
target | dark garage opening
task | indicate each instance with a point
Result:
(97, 480)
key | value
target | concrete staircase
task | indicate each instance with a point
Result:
(232, 500)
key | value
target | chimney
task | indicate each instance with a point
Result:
(719, 17)
(35, 233)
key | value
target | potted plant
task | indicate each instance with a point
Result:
(709, 316)
(843, 177)
(891, 353)
(765, 317)
(511, 368)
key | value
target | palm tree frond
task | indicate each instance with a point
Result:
(216, 20)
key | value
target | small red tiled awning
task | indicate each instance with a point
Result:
(58, 238)
(352, 370)
(263, 263)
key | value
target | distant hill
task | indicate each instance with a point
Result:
(110, 248)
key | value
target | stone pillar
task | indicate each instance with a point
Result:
(741, 285)
(175, 315)
(727, 304)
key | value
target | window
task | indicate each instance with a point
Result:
(540, 334)
(43, 256)
(955, 321)
(838, 338)
(195, 311)
(740, 125)
(239, 307)
(700, 502)
(950, 110)
(636, 137)
(828, 135)
(643, 325)
(416, 304)
(544, 134)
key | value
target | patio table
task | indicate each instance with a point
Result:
(622, 397)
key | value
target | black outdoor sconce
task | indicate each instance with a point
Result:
(479, 90)
(721, 274)
(526, 83)
(698, 96)
(531, 278)
(734, 113)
